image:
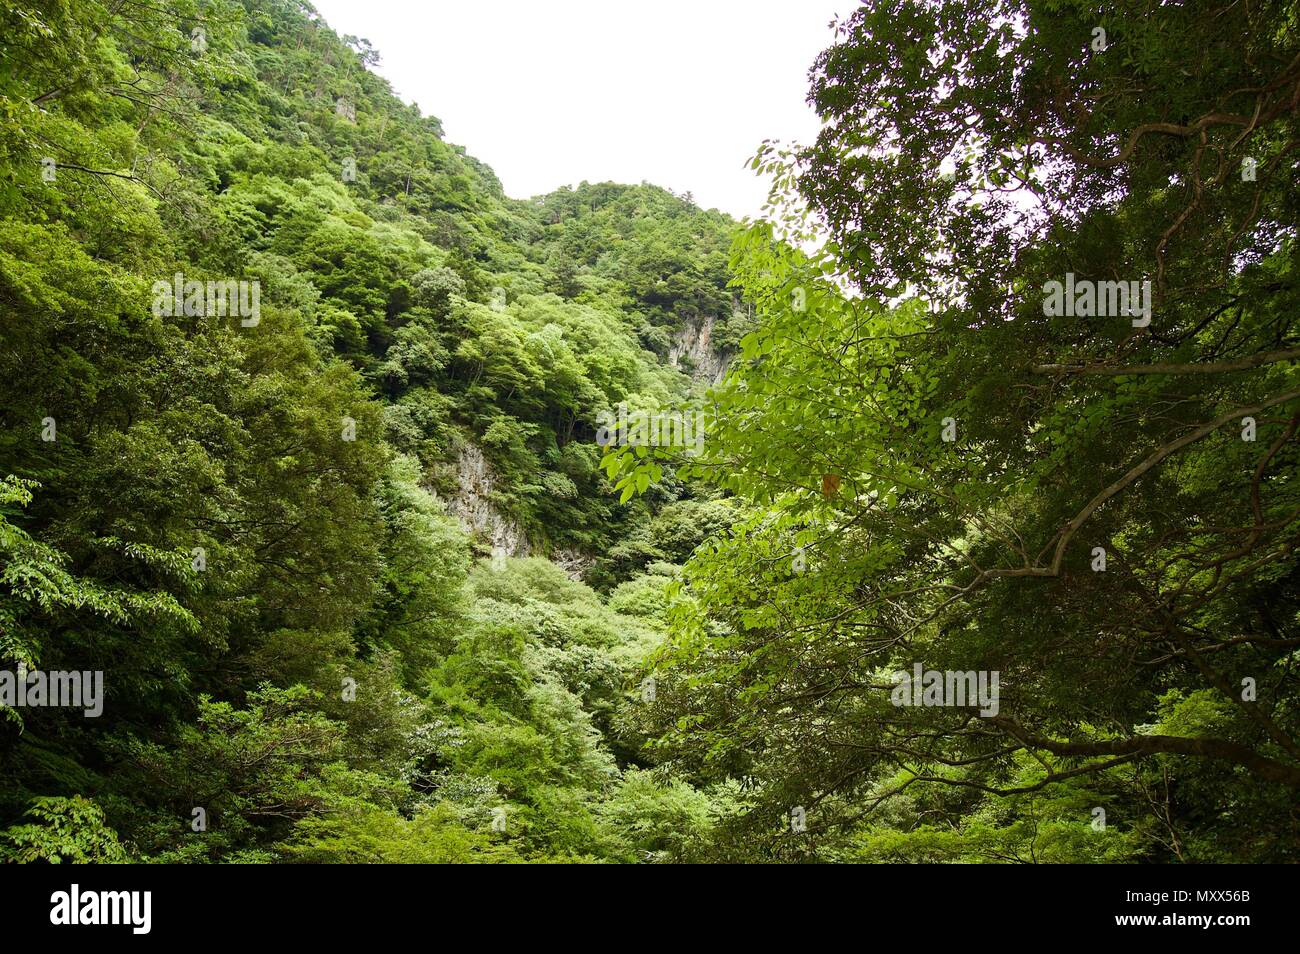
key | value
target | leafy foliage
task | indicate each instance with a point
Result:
(940, 468)
(269, 534)
(245, 525)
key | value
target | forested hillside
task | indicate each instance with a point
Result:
(251, 528)
(366, 581)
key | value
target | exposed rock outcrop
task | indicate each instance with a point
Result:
(472, 506)
(693, 347)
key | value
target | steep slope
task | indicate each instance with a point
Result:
(245, 517)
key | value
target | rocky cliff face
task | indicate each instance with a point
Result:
(472, 506)
(693, 351)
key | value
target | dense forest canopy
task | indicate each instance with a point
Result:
(985, 553)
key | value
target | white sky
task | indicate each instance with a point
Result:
(675, 92)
